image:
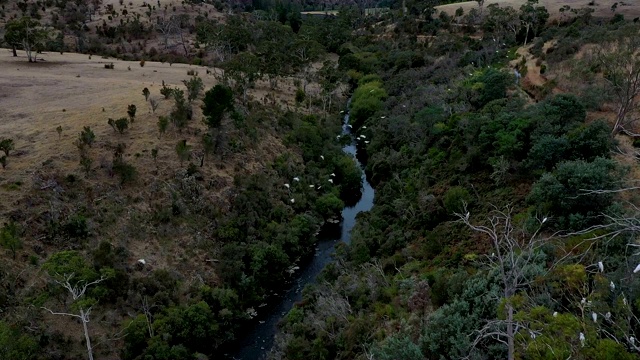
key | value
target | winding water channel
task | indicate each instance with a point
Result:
(257, 343)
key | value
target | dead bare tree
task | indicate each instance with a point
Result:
(515, 253)
(77, 291)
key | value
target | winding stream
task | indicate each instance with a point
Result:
(257, 343)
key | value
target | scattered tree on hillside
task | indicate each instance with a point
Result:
(194, 87)
(10, 237)
(146, 94)
(131, 111)
(217, 101)
(163, 124)
(87, 136)
(69, 270)
(122, 124)
(181, 112)
(620, 64)
(183, 150)
(27, 33)
(244, 69)
(6, 145)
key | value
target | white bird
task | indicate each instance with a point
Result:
(607, 316)
(364, 127)
(364, 137)
(382, 117)
(331, 181)
(366, 142)
(333, 174)
(544, 220)
(594, 316)
(636, 269)
(338, 137)
(600, 266)
(582, 339)
(321, 157)
(142, 261)
(532, 334)
(311, 186)
(555, 314)
(341, 111)
(350, 126)
(293, 200)
(583, 301)
(612, 286)
(319, 187)
(632, 340)
(287, 185)
(296, 179)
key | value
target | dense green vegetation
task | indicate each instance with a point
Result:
(498, 229)
(496, 232)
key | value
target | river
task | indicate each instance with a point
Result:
(256, 345)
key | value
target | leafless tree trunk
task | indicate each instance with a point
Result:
(514, 252)
(78, 292)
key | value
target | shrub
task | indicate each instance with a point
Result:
(131, 111)
(455, 199)
(194, 87)
(142, 62)
(562, 193)
(122, 124)
(217, 101)
(86, 136)
(124, 170)
(146, 94)
(163, 124)
(300, 96)
(183, 150)
(166, 91)
(6, 145)
(109, 66)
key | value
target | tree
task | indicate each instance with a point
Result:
(244, 69)
(70, 271)
(163, 124)
(122, 124)
(181, 110)
(10, 238)
(516, 258)
(620, 62)
(16, 345)
(534, 18)
(146, 94)
(131, 111)
(183, 150)
(217, 101)
(500, 21)
(87, 136)
(194, 87)
(6, 145)
(27, 33)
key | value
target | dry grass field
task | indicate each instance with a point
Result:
(630, 8)
(73, 91)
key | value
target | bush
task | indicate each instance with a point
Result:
(87, 136)
(6, 145)
(122, 124)
(125, 171)
(455, 199)
(562, 193)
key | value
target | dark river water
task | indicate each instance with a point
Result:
(257, 343)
